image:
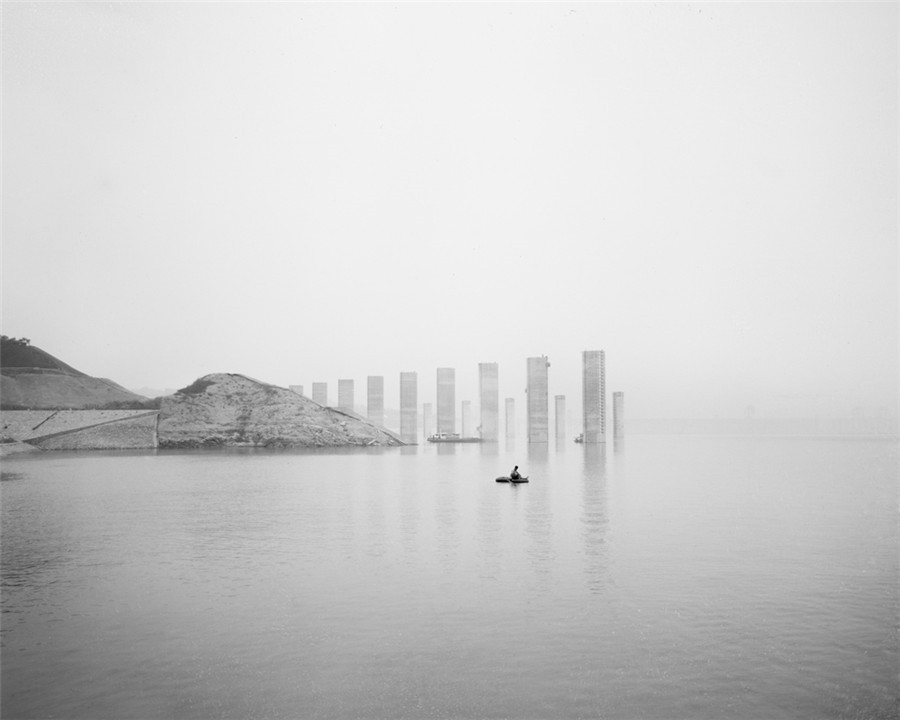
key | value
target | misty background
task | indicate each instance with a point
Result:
(307, 192)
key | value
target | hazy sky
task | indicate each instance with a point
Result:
(304, 192)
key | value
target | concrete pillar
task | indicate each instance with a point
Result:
(593, 395)
(510, 407)
(345, 395)
(618, 415)
(409, 400)
(489, 401)
(559, 402)
(428, 419)
(320, 393)
(466, 415)
(297, 389)
(446, 400)
(375, 399)
(538, 399)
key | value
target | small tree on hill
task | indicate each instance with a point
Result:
(15, 341)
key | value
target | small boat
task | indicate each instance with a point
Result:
(579, 438)
(508, 479)
(452, 438)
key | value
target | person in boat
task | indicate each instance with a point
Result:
(514, 475)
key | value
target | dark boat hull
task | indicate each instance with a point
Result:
(507, 479)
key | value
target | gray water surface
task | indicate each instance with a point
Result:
(676, 578)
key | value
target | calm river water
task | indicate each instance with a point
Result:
(687, 577)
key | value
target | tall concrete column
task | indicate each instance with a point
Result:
(428, 419)
(320, 393)
(510, 407)
(375, 399)
(618, 415)
(409, 392)
(446, 400)
(489, 401)
(538, 399)
(560, 416)
(593, 395)
(345, 395)
(466, 415)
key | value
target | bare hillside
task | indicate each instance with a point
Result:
(31, 379)
(234, 410)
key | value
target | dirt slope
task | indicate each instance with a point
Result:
(234, 410)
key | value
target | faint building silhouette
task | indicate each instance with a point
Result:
(428, 419)
(466, 418)
(375, 399)
(409, 391)
(446, 400)
(489, 401)
(510, 407)
(345, 395)
(618, 415)
(559, 402)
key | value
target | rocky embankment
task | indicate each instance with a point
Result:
(46, 404)
(223, 410)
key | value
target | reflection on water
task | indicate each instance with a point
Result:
(409, 508)
(489, 533)
(718, 578)
(447, 517)
(539, 525)
(538, 453)
(373, 499)
(489, 449)
(595, 516)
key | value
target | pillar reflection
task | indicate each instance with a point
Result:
(489, 449)
(538, 453)
(595, 517)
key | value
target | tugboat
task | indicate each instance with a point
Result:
(579, 438)
(452, 438)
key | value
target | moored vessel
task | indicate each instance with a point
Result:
(452, 438)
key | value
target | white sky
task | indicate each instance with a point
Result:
(305, 192)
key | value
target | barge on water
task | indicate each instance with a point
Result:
(452, 438)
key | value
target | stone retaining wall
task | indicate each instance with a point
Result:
(126, 434)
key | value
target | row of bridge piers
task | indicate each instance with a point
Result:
(440, 417)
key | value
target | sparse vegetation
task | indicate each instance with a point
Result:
(20, 353)
(24, 342)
